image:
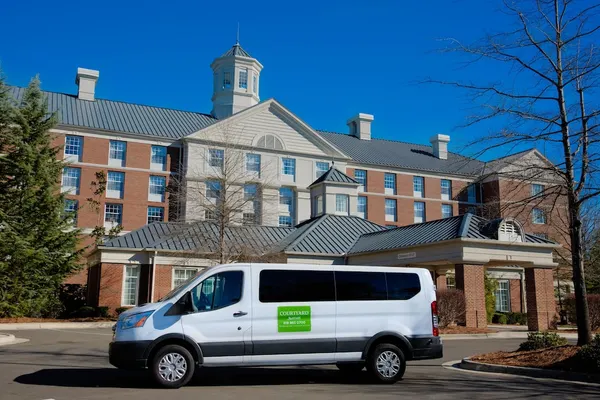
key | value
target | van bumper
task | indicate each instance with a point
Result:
(427, 348)
(128, 355)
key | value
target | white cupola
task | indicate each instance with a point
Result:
(236, 82)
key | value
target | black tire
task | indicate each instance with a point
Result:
(163, 378)
(351, 368)
(396, 358)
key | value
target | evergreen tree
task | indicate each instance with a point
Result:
(37, 240)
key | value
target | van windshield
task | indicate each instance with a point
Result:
(178, 289)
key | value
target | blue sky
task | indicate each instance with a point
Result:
(324, 60)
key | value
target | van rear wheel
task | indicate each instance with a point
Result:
(351, 368)
(172, 366)
(386, 363)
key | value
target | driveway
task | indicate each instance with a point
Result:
(73, 364)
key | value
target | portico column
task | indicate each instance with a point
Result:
(440, 281)
(541, 304)
(470, 279)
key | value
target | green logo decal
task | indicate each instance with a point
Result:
(293, 319)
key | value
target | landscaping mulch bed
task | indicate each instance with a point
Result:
(561, 357)
(463, 330)
(38, 320)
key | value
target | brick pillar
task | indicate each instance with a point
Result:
(440, 281)
(111, 286)
(515, 295)
(163, 281)
(469, 279)
(541, 305)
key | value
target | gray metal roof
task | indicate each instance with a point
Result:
(401, 155)
(236, 50)
(121, 117)
(336, 176)
(144, 237)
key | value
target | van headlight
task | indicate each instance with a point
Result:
(135, 320)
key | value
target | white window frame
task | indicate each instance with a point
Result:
(417, 209)
(194, 269)
(445, 207)
(153, 195)
(148, 214)
(319, 204)
(472, 193)
(446, 191)
(137, 284)
(538, 212)
(389, 185)
(319, 171)
(418, 186)
(251, 167)
(243, 79)
(363, 213)
(287, 217)
(69, 157)
(253, 196)
(70, 189)
(216, 158)
(158, 153)
(112, 224)
(534, 189)
(362, 182)
(388, 216)
(285, 169)
(112, 193)
(500, 292)
(117, 150)
(286, 209)
(73, 212)
(250, 220)
(342, 205)
(227, 80)
(217, 191)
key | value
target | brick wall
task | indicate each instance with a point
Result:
(111, 285)
(440, 281)
(163, 281)
(515, 295)
(469, 279)
(541, 304)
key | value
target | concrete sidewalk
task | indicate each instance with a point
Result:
(25, 326)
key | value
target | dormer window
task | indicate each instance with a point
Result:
(510, 231)
(226, 80)
(243, 79)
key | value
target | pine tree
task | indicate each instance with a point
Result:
(37, 242)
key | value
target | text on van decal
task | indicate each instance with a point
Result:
(293, 319)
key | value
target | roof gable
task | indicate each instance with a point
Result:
(334, 175)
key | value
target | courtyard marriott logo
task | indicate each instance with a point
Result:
(293, 319)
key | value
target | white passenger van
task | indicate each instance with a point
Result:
(284, 314)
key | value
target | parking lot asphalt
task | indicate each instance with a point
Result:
(73, 364)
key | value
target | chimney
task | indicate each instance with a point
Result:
(440, 146)
(360, 126)
(86, 81)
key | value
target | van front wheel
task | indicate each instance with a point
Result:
(386, 363)
(172, 366)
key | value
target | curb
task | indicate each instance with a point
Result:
(568, 376)
(25, 326)
(499, 335)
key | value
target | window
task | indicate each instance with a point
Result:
(446, 210)
(361, 176)
(116, 153)
(216, 158)
(131, 280)
(209, 215)
(182, 275)
(156, 214)
(288, 166)
(243, 79)
(390, 210)
(322, 167)
(450, 282)
(250, 191)
(71, 207)
(249, 219)
(158, 158)
(285, 221)
(113, 215)
(402, 285)
(115, 185)
(353, 286)
(446, 189)
(286, 198)
(471, 193)
(503, 296)
(73, 147)
(319, 204)
(213, 189)
(255, 83)
(253, 163)
(418, 186)
(218, 291)
(287, 286)
(70, 180)
(539, 216)
(419, 212)
(157, 188)
(341, 204)
(226, 80)
(536, 189)
(362, 206)
(269, 142)
(389, 182)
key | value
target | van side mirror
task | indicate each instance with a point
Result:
(182, 307)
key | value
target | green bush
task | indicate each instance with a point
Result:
(516, 318)
(490, 296)
(502, 319)
(589, 356)
(84, 312)
(121, 310)
(102, 312)
(542, 340)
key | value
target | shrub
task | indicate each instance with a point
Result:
(102, 312)
(72, 297)
(451, 307)
(588, 356)
(594, 307)
(502, 319)
(84, 312)
(121, 310)
(516, 318)
(490, 296)
(542, 340)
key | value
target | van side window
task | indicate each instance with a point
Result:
(402, 285)
(218, 291)
(360, 286)
(282, 286)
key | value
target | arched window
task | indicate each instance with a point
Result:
(510, 231)
(269, 142)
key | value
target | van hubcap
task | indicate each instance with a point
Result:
(388, 364)
(172, 367)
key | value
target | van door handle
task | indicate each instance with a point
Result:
(240, 314)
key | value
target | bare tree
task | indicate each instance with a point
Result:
(552, 57)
